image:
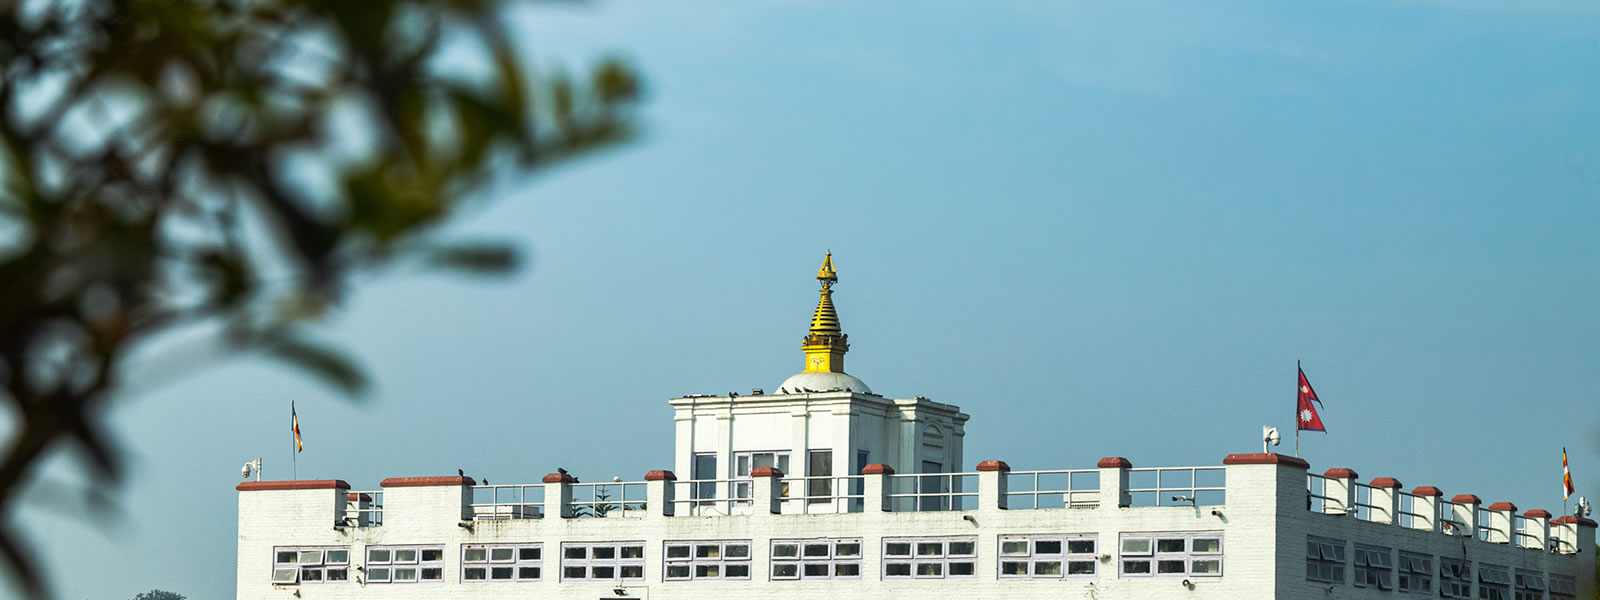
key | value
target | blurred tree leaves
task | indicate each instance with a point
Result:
(169, 162)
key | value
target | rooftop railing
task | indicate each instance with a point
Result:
(932, 491)
(995, 486)
(1485, 530)
(1317, 498)
(824, 494)
(364, 509)
(1410, 515)
(1178, 486)
(1366, 509)
(504, 502)
(1028, 490)
(1449, 523)
(613, 499)
(708, 497)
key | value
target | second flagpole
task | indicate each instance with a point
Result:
(1297, 410)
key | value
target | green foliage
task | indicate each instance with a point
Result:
(160, 595)
(165, 163)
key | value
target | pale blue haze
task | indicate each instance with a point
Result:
(1102, 228)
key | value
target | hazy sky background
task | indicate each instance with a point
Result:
(1101, 228)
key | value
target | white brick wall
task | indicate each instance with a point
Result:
(1264, 525)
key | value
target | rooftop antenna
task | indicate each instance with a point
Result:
(249, 467)
(1269, 437)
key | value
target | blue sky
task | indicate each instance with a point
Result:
(1102, 228)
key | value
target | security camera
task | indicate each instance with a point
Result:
(1189, 499)
(245, 472)
(1269, 437)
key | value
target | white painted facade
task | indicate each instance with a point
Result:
(1263, 528)
(854, 429)
(768, 479)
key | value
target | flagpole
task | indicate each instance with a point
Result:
(1297, 410)
(294, 447)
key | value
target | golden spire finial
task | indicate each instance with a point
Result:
(827, 343)
(826, 274)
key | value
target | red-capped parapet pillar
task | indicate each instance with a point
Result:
(558, 494)
(1114, 482)
(768, 490)
(875, 487)
(1502, 516)
(1536, 529)
(1464, 515)
(660, 493)
(1385, 500)
(992, 485)
(1574, 535)
(1341, 491)
(1425, 508)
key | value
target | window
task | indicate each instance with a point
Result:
(819, 463)
(707, 560)
(1324, 560)
(1530, 585)
(1494, 582)
(704, 469)
(310, 564)
(1047, 556)
(405, 564)
(1563, 587)
(1374, 567)
(930, 558)
(500, 563)
(746, 462)
(1455, 578)
(602, 561)
(1416, 573)
(1172, 555)
(816, 559)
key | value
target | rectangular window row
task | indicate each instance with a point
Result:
(607, 561)
(1530, 585)
(708, 560)
(1563, 587)
(501, 563)
(1172, 555)
(311, 564)
(1376, 567)
(405, 564)
(1047, 557)
(816, 559)
(1455, 578)
(1494, 582)
(930, 557)
(1020, 557)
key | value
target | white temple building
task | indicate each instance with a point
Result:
(823, 489)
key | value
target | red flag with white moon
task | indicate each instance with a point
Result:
(1306, 416)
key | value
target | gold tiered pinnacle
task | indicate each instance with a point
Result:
(827, 343)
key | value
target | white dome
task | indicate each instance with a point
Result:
(823, 382)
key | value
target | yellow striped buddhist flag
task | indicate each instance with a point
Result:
(295, 420)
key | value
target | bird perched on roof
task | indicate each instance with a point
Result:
(486, 481)
(461, 472)
(561, 470)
